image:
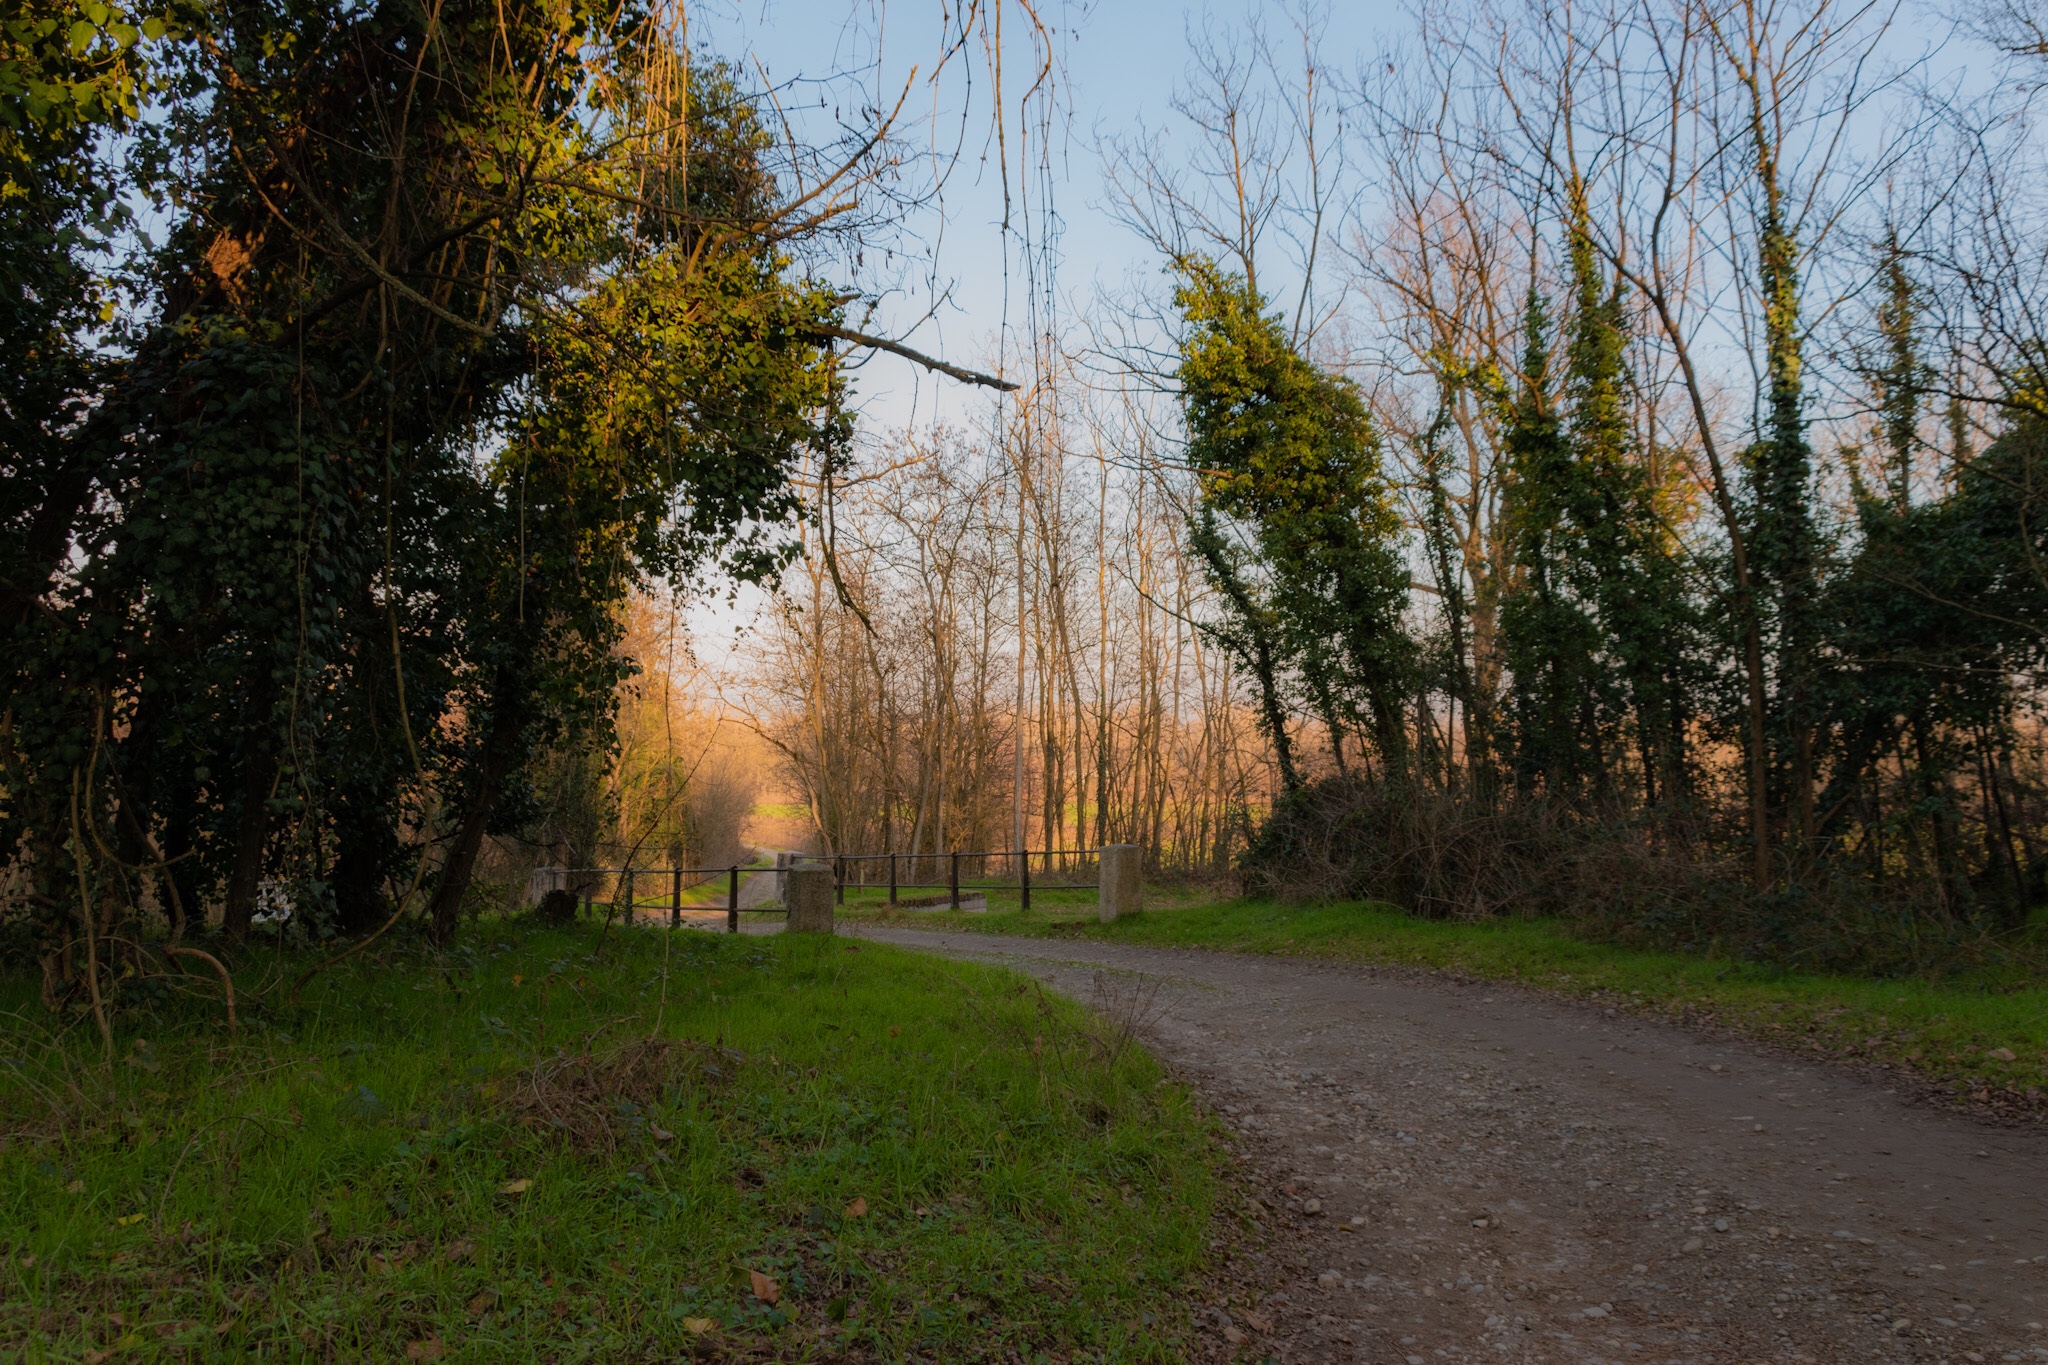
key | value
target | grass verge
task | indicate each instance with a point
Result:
(551, 1146)
(1986, 1041)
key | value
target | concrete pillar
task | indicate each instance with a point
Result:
(1122, 892)
(809, 898)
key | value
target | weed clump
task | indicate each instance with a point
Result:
(599, 1101)
(556, 909)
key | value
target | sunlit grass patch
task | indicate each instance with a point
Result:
(536, 1148)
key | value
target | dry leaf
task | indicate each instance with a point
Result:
(1259, 1323)
(520, 1186)
(894, 1031)
(129, 1220)
(460, 1249)
(433, 1348)
(481, 1304)
(699, 1325)
(516, 978)
(75, 1187)
(661, 1134)
(1234, 1336)
(765, 1289)
(858, 1207)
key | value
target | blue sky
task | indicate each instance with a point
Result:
(1119, 61)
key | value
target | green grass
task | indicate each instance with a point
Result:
(1948, 1031)
(346, 1178)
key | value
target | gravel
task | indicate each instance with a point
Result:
(1439, 1170)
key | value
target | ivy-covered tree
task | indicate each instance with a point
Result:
(1286, 453)
(469, 322)
(1549, 638)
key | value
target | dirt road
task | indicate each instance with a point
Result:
(1466, 1172)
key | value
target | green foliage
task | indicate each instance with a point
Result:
(1288, 453)
(1549, 638)
(69, 73)
(468, 323)
(344, 1176)
(1940, 612)
(1596, 629)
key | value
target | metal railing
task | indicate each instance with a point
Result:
(1059, 866)
(1057, 871)
(586, 881)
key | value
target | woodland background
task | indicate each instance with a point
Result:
(1580, 460)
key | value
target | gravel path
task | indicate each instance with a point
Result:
(1473, 1172)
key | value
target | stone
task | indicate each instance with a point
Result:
(809, 898)
(1330, 1279)
(1311, 1207)
(1122, 889)
(1692, 1244)
(2001, 1054)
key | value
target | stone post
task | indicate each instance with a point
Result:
(809, 898)
(543, 880)
(1121, 893)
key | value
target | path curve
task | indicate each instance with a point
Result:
(1476, 1172)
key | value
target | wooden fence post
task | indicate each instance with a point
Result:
(732, 903)
(675, 898)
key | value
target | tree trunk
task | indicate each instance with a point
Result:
(252, 830)
(360, 864)
(499, 751)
